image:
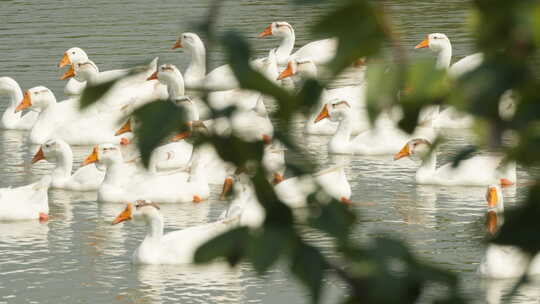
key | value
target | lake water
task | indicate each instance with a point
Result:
(78, 257)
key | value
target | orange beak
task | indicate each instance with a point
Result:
(124, 215)
(64, 61)
(278, 178)
(177, 44)
(125, 128)
(227, 186)
(506, 182)
(423, 44)
(92, 158)
(288, 72)
(38, 156)
(403, 152)
(25, 103)
(267, 32)
(492, 222)
(153, 76)
(323, 114)
(69, 73)
(492, 197)
(181, 136)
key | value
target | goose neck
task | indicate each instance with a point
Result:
(344, 130)
(429, 164)
(444, 57)
(154, 224)
(285, 48)
(198, 165)
(114, 173)
(197, 67)
(64, 162)
(15, 95)
(175, 88)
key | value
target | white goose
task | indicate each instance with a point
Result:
(11, 119)
(72, 56)
(246, 123)
(440, 44)
(320, 51)
(175, 187)
(476, 171)
(503, 261)
(170, 156)
(294, 191)
(26, 202)
(355, 94)
(86, 178)
(75, 86)
(175, 247)
(244, 202)
(219, 79)
(130, 91)
(383, 138)
(246, 100)
(53, 123)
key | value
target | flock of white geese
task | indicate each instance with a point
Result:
(181, 173)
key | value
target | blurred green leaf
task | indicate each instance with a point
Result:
(425, 85)
(480, 90)
(91, 94)
(157, 120)
(334, 218)
(230, 245)
(266, 248)
(359, 28)
(309, 265)
(521, 224)
(236, 150)
(463, 154)
(277, 213)
(383, 86)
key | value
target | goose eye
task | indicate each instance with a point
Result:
(73, 53)
(35, 93)
(47, 146)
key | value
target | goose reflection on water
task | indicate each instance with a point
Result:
(216, 282)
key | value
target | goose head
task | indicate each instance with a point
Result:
(170, 76)
(189, 41)
(82, 71)
(435, 42)
(415, 148)
(106, 154)
(7, 85)
(303, 67)
(278, 29)
(166, 74)
(37, 97)
(71, 56)
(335, 110)
(50, 151)
(142, 209)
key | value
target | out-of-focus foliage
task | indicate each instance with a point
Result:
(384, 270)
